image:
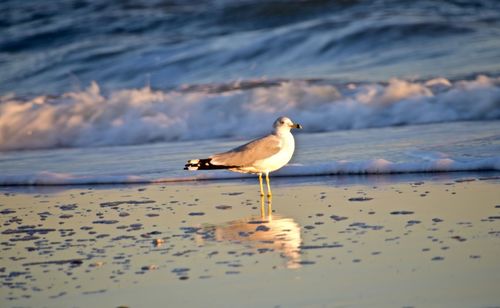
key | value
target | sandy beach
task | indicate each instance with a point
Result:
(378, 241)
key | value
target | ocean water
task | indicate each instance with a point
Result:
(107, 92)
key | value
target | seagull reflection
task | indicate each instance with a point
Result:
(262, 233)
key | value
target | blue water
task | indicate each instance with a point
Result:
(113, 92)
(57, 46)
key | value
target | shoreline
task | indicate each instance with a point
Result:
(359, 178)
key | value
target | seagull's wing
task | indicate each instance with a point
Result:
(249, 153)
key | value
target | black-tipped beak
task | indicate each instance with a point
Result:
(298, 126)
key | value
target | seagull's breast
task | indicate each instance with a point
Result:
(279, 159)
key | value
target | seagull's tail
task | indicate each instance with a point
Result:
(203, 164)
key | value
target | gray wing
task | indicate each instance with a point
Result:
(247, 154)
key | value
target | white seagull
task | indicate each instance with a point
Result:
(259, 156)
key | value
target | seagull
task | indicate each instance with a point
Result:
(259, 156)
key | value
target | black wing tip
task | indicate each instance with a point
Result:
(193, 164)
(204, 164)
(198, 164)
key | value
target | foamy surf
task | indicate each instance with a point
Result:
(365, 167)
(91, 117)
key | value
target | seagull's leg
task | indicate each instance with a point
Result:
(261, 187)
(269, 193)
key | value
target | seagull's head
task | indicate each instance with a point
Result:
(285, 123)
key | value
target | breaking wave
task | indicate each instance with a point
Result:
(91, 117)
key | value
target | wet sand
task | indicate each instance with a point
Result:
(381, 243)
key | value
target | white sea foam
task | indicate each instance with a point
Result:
(136, 116)
(363, 167)
(382, 166)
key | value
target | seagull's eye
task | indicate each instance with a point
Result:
(282, 122)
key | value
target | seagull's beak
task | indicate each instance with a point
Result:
(297, 126)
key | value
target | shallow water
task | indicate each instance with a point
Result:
(445, 147)
(93, 73)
